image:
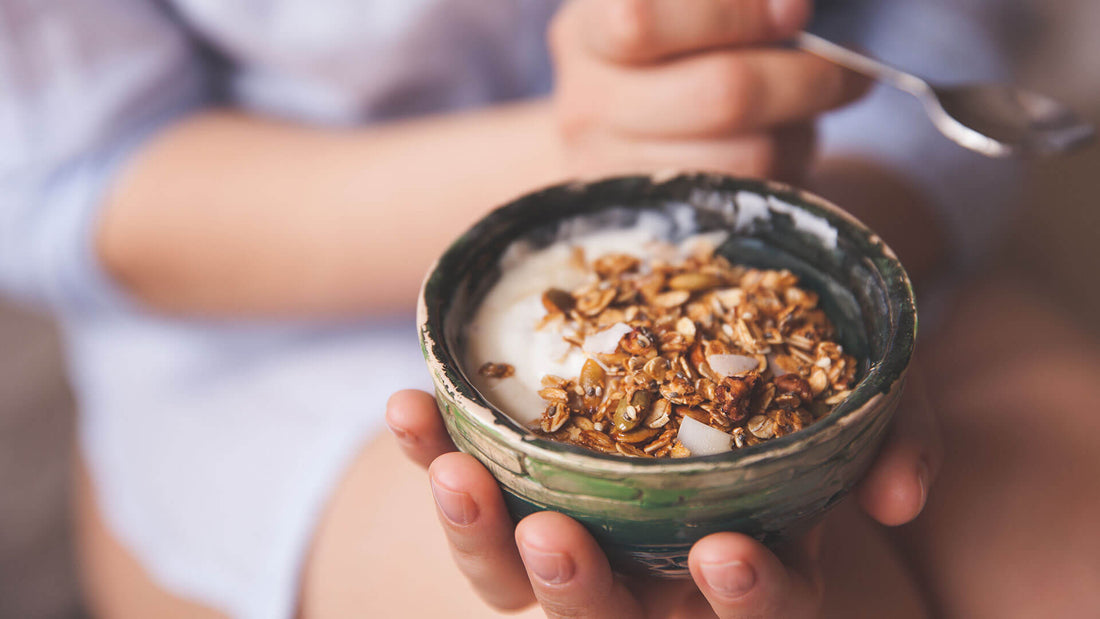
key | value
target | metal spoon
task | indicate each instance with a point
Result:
(992, 119)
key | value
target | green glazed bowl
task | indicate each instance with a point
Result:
(647, 513)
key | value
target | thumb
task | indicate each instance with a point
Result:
(741, 578)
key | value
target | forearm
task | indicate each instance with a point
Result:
(227, 214)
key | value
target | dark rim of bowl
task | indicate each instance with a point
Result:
(880, 377)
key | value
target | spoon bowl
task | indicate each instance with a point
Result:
(996, 120)
(1000, 120)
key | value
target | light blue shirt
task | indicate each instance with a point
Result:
(213, 446)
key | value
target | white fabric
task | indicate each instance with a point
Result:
(213, 446)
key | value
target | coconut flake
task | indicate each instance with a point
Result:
(607, 341)
(729, 365)
(773, 365)
(701, 439)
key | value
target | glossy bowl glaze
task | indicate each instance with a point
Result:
(646, 513)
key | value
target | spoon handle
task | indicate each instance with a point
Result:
(861, 64)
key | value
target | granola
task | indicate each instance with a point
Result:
(744, 352)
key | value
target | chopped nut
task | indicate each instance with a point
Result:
(679, 451)
(496, 370)
(793, 383)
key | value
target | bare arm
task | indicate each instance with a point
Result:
(227, 214)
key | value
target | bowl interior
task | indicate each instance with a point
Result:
(863, 288)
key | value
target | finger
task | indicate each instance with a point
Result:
(782, 154)
(741, 578)
(479, 530)
(414, 420)
(708, 95)
(896, 488)
(570, 574)
(640, 31)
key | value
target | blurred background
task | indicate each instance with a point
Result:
(1055, 245)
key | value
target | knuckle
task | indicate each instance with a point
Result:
(557, 33)
(472, 555)
(729, 102)
(630, 29)
(830, 83)
(574, 121)
(764, 159)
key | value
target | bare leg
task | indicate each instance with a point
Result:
(379, 552)
(116, 586)
(1010, 529)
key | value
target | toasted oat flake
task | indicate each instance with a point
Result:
(736, 356)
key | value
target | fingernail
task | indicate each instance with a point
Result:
(731, 580)
(457, 507)
(787, 15)
(400, 433)
(553, 568)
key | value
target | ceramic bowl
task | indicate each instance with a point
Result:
(646, 513)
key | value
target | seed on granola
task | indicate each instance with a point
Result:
(631, 410)
(557, 301)
(496, 370)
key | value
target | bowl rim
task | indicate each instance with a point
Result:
(880, 385)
